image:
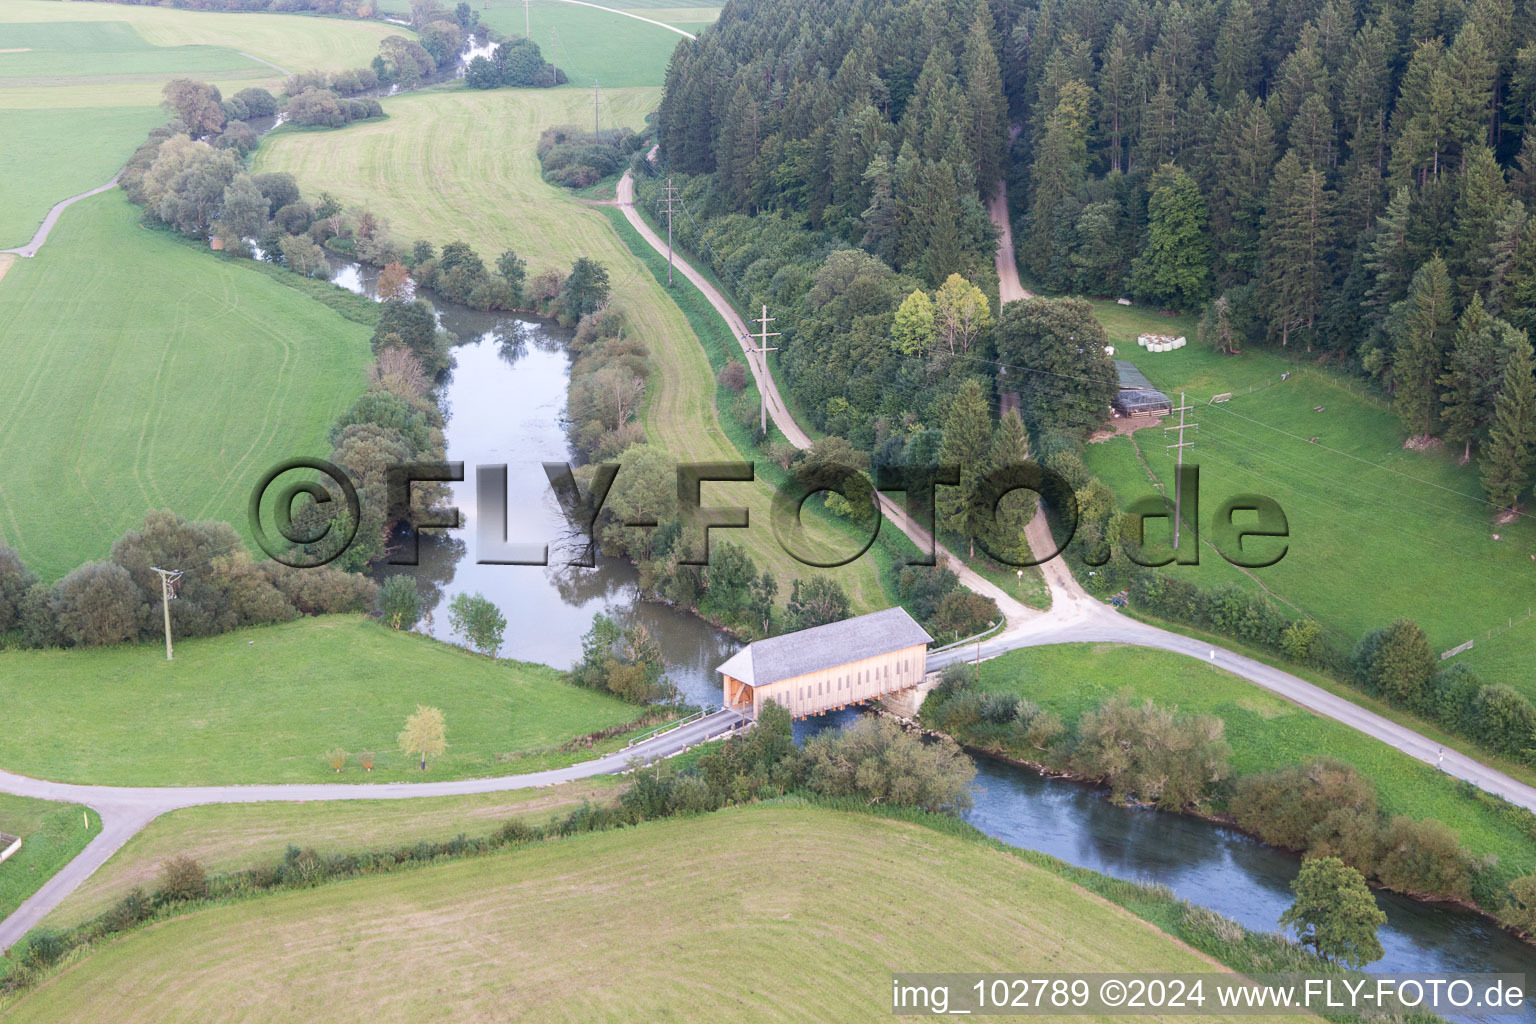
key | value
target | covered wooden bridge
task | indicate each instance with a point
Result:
(829, 667)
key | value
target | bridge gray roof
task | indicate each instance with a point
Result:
(837, 643)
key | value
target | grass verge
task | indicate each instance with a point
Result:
(268, 704)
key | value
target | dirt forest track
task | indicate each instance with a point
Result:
(1075, 616)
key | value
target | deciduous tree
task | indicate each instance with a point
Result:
(1335, 912)
(425, 734)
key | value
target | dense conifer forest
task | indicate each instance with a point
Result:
(1347, 180)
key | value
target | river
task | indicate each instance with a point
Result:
(504, 404)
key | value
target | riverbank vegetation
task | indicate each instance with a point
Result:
(267, 704)
(482, 144)
(1398, 820)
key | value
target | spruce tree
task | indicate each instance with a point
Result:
(1294, 246)
(968, 446)
(1060, 159)
(1506, 462)
(1174, 269)
(1116, 95)
(1482, 200)
(1475, 368)
(988, 128)
(1237, 53)
(1421, 335)
(1390, 261)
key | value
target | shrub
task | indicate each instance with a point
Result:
(1146, 752)
(337, 759)
(1397, 663)
(134, 908)
(1505, 720)
(964, 613)
(97, 604)
(45, 947)
(922, 587)
(732, 376)
(366, 759)
(400, 602)
(1424, 857)
(1453, 697)
(876, 760)
(15, 581)
(181, 878)
(1520, 905)
(1324, 808)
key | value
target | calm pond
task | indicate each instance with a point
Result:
(505, 402)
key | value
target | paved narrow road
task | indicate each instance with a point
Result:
(1075, 616)
(125, 810)
(624, 198)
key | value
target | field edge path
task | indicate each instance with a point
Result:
(41, 235)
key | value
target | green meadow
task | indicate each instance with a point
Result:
(268, 704)
(81, 147)
(130, 390)
(51, 834)
(1376, 531)
(590, 45)
(632, 924)
(1264, 730)
(82, 87)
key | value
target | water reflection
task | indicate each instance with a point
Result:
(504, 402)
(1221, 869)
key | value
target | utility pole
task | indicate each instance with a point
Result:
(527, 32)
(554, 57)
(762, 354)
(168, 578)
(671, 200)
(597, 132)
(1178, 473)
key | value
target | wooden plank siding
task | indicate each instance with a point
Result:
(835, 686)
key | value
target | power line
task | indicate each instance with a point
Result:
(762, 358)
(168, 579)
(1178, 474)
(671, 200)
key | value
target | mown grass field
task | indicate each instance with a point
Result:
(1377, 532)
(51, 834)
(295, 42)
(233, 837)
(1263, 730)
(455, 164)
(52, 154)
(590, 45)
(85, 88)
(131, 390)
(757, 913)
(267, 704)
